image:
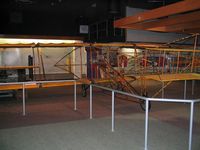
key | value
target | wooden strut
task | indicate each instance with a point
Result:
(97, 69)
(193, 54)
(91, 63)
(81, 61)
(56, 64)
(70, 63)
(163, 65)
(168, 83)
(108, 58)
(41, 65)
(177, 64)
(17, 67)
(159, 60)
(173, 67)
(43, 69)
(136, 57)
(39, 62)
(182, 39)
(34, 70)
(145, 68)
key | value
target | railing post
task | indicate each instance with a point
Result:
(191, 125)
(185, 89)
(23, 100)
(113, 111)
(193, 83)
(163, 90)
(75, 102)
(146, 124)
(91, 109)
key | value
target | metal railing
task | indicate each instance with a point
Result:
(147, 100)
(38, 83)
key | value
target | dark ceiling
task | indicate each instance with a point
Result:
(63, 17)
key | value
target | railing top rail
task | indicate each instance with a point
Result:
(171, 100)
(150, 99)
(120, 92)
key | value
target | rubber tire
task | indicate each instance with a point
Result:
(84, 92)
(143, 105)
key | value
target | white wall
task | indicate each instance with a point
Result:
(148, 36)
(15, 56)
(19, 57)
(51, 56)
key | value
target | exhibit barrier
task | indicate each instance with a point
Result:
(147, 100)
(192, 102)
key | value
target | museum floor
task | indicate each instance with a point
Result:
(51, 123)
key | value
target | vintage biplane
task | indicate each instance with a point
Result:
(122, 66)
(115, 65)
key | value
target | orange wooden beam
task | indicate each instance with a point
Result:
(173, 20)
(178, 27)
(192, 31)
(176, 8)
(41, 37)
(62, 44)
(17, 67)
(16, 45)
(41, 85)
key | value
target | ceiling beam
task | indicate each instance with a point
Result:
(192, 31)
(180, 7)
(173, 20)
(178, 27)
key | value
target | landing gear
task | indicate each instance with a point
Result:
(84, 89)
(143, 103)
(19, 94)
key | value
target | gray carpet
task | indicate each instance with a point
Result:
(96, 134)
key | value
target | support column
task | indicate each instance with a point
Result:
(193, 84)
(163, 90)
(91, 109)
(191, 125)
(185, 89)
(146, 125)
(23, 101)
(113, 111)
(75, 102)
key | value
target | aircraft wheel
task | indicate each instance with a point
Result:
(84, 90)
(143, 105)
(143, 102)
